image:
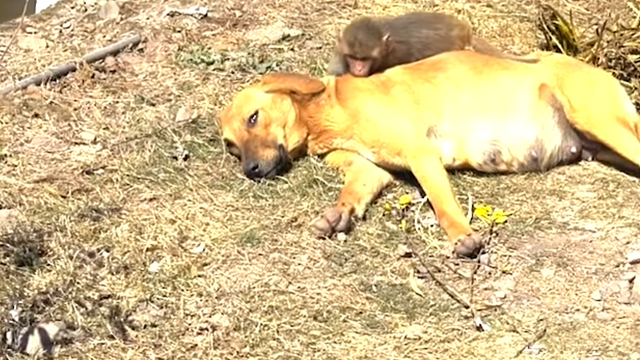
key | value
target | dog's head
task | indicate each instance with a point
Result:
(262, 125)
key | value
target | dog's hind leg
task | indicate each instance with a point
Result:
(427, 167)
(363, 181)
(608, 118)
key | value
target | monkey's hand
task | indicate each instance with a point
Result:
(332, 221)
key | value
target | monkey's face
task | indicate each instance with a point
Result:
(363, 54)
(359, 66)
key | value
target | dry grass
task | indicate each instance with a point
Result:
(237, 275)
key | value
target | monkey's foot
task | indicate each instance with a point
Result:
(468, 246)
(331, 222)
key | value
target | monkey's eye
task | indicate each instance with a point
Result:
(253, 119)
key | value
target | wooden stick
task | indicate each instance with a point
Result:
(64, 69)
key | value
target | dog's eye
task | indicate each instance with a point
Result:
(253, 119)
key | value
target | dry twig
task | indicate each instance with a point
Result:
(64, 69)
(535, 339)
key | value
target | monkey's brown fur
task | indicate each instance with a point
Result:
(455, 110)
(371, 45)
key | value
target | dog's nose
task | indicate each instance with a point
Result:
(252, 169)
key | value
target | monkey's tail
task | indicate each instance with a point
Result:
(481, 45)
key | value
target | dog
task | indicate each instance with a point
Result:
(459, 110)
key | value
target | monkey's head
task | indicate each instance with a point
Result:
(262, 126)
(364, 44)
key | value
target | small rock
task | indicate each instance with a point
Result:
(9, 218)
(30, 30)
(624, 297)
(88, 136)
(220, 321)
(500, 294)
(635, 289)
(31, 42)
(109, 10)
(154, 267)
(310, 44)
(630, 276)
(634, 257)
(596, 295)
(110, 63)
(604, 316)
(66, 24)
(198, 249)
(485, 259)
(624, 285)
(547, 273)
(421, 270)
(341, 236)
(184, 113)
(404, 251)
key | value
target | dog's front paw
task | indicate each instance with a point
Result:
(468, 246)
(331, 222)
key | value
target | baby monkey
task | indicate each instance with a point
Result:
(370, 45)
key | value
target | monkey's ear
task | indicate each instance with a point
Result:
(292, 84)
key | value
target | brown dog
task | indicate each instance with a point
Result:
(456, 110)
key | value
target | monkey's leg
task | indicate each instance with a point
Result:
(428, 169)
(363, 181)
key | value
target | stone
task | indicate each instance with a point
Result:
(404, 251)
(31, 42)
(604, 316)
(110, 10)
(88, 136)
(596, 295)
(634, 257)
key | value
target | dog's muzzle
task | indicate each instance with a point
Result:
(265, 168)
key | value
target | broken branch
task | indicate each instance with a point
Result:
(64, 69)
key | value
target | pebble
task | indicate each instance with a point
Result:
(341, 236)
(500, 294)
(636, 287)
(630, 276)
(154, 267)
(596, 295)
(9, 218)
(634, 257)
(485, 259)
(604, 316)
(184, 113)
(88, 136)
(624, 297)
(404, 251)
(547, 272)
(31, 42)
(109, 10)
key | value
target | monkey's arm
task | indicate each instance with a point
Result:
(363, 181)
(427, 167)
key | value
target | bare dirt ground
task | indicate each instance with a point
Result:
(134, 227)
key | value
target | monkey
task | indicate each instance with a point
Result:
(370, 45)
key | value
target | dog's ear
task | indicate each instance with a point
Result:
(291, 84)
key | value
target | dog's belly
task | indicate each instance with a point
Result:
(517, 146)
